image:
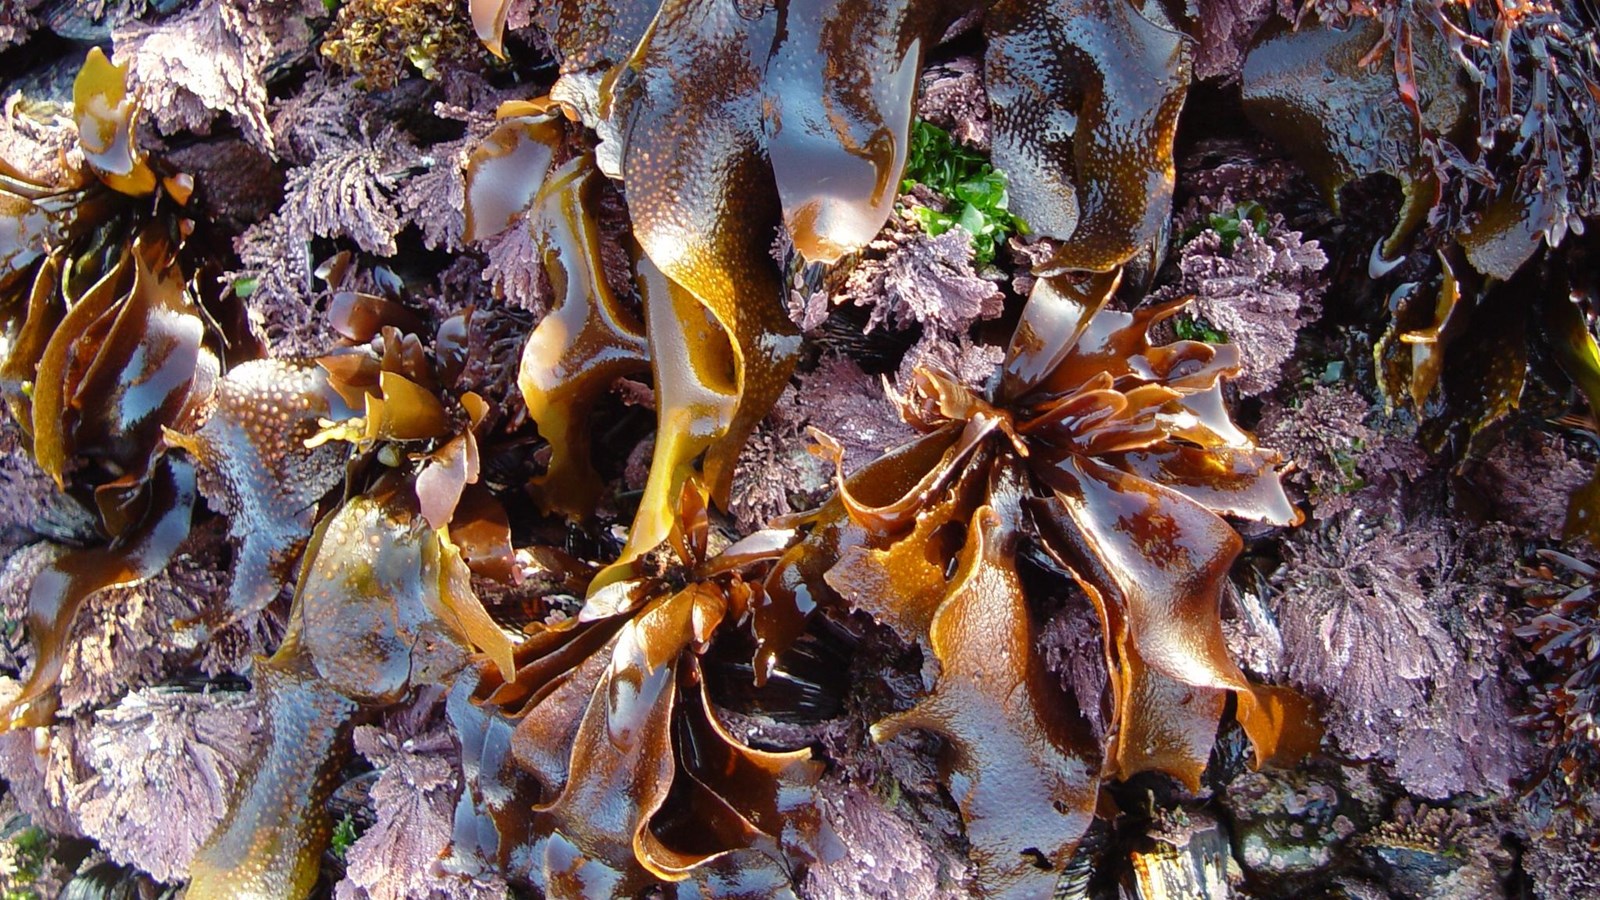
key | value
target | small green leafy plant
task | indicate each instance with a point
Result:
(976, 191)
(1230, 224)
(21, 863)
(1190, 328)
(344, 835)
(1350, 479)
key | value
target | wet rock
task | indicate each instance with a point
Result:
(1288, 825)
(1433, 854)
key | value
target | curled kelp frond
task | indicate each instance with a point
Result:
(112, 337)
(106, 115)
(91, 290)
(96, 300)
(1085, 96)
(1438, 323)
(1117, 457)
(137, 553)
(378, 610)
(124, 638)
(146, 358)
(592, 337)
(720, 128)
(605, 731)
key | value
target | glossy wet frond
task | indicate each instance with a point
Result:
(1118, 458)
(594, 759)
(106, 346)
(605, 737)
(721, 126)
(372, 619)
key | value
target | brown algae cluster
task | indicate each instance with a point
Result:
(107, 347)
(1383, 89)
(594, 758)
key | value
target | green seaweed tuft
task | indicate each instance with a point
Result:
(979, 199)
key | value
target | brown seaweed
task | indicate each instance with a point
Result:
(586, 36)
(627, 776)
(110, 347)
(1118, 457)
(1422, 357)
(255, 468)
(1558, 624)
(1028, 772)
(582, 347)
(1565, 325)
(837, 135)
(108, 335)
(377, 612)
(1321, 93)
(138, 553)
(125, 360)
(702, 198)
(271, 841)
(106, 116)
(595, 759)
(1085, 96)
(720, 126)
(424, 430)
(1486, 114)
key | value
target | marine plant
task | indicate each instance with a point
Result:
(107, 343)
(719, 127)
(1112, 455)
(1488, 115)
(750, 131)
(599, 763)
(1559, 626)
(1117, 459)
(378, 612)
(378, 38)
(384, 601)
(977, 193)
(594, 757)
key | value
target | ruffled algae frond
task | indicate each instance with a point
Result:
(508, 457)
